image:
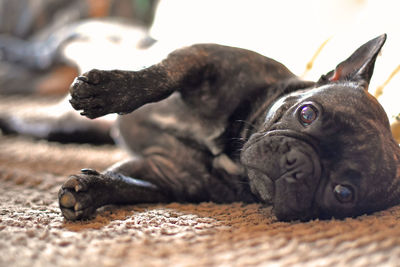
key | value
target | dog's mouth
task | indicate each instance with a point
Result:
(284, 170)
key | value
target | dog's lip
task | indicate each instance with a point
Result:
(267, 198)
(260, 174)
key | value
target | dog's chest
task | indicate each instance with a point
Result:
(175, 117)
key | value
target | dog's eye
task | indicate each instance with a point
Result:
(307, 114)
(343, 193)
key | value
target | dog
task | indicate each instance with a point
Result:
(223, 124)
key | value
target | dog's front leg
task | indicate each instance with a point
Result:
(208, 76)
(99, 92)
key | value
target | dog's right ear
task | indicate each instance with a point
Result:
(359, 66)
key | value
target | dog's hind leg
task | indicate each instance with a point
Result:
(166, 171)
(150, 179)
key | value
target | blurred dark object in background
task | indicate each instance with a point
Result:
(24, 18)
(27, 28)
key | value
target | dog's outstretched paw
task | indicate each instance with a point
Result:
(98, 93)
(78, 196)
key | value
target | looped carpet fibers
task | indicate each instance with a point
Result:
(33, 232)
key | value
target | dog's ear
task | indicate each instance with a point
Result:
(359, 66)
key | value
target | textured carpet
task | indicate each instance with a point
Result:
(33, 232)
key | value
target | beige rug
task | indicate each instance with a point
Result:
(33, 232)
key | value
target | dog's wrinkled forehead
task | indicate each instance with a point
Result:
(342, 91)
(346, 122)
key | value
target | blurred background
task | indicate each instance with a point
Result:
(44, 44)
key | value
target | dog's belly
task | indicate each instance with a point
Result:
(157, 124)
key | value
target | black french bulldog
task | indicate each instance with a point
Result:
(225, 124)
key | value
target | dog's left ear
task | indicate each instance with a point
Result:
(359, 66)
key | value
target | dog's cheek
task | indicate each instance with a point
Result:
(329, 207)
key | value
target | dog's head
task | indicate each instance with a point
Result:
(327, 151)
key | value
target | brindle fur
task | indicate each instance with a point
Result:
(213, 123)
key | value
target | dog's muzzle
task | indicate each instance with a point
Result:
(284, 170)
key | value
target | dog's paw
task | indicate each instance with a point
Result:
(98, 93)
(77, 197)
